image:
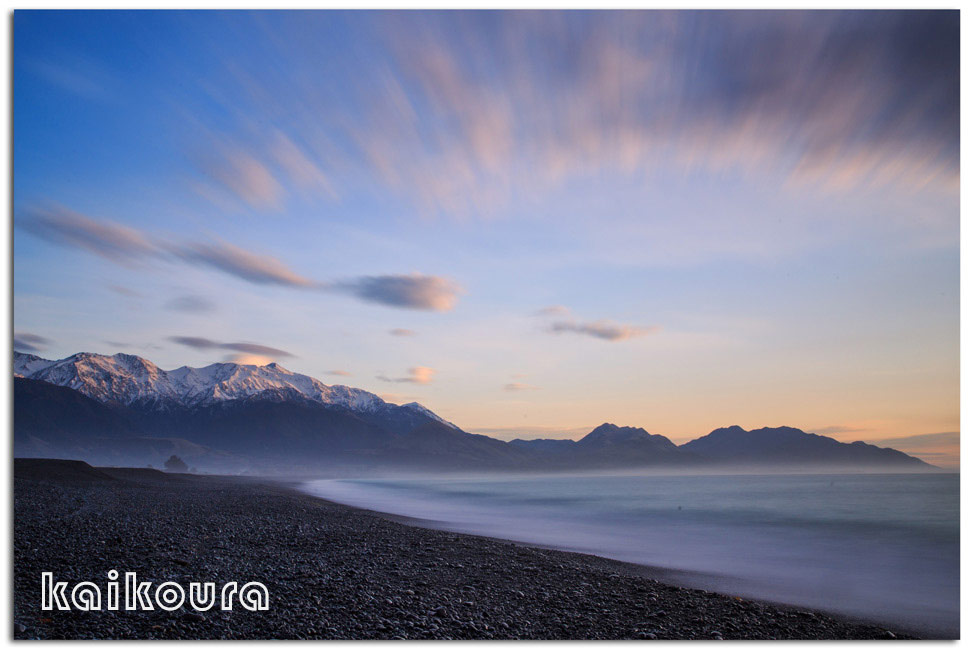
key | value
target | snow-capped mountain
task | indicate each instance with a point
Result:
(132, 380)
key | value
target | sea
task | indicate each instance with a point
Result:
(878, 547)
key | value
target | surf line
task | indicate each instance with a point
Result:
(169, 595)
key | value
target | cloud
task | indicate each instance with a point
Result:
(247, 348)
(420, 375)
(839, 100)
(520, 387)
(925, 439)
(28, 342)
(942, 449)
(402, 332)
(190, 304)
(837, 430)
(304, 172)
(554, 310)
(338, 373)
(246, 265)
(467, 112)
(249, 359)
(414, 291)
(126, 245)
(123, 244)
(399, 399)
(122, 290)
(77, 76)
(104, 238)
(603, 329)
(531, 432)
(243, 176)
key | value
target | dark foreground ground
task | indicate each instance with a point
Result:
(337, 572)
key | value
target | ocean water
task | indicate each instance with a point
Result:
(880, 547)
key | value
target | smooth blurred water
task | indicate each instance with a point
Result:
(880, 547)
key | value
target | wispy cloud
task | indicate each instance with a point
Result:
(395, 397)
(305, 173)
(190, 304)
(941, 449)
(338, 373)
(531, 432)
(837, 430)
(126, 245)
(520, 387)
(104, 238)
(603, 329)
(124, 291)
(414, 291)
(75, 75)
(833, 99)
(249, 359)
(28, 342)
(241, 175)
(246, 265)
(420, 375)
(402, 332)
(554, 310)
(197, 342)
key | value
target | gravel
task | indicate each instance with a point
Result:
(342, 573)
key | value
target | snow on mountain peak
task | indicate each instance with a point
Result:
(131, 379)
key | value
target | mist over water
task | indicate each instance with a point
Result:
(882, 547)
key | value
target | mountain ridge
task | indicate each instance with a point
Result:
(272, 415)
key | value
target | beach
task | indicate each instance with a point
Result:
(336, 572)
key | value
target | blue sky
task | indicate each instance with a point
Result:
(530, 222)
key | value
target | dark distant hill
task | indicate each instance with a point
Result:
(785, 446)
(607, 446)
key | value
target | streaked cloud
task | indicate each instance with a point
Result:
(75, 75)
(467, 112)
(112, 241)
(338, 373)
(396, 398)
(414, 291)
(247, 348)
(554, 310)
(519, 387)
(28, 342)
(124, 291)
(508, 433)
(829, 431)
(420, 375)
(123, 244)
(246, 265)
(190, 304)
(941, 449)
(402, 332)
(242, 176)
(305, 173)
(603, 329)
(249, 359)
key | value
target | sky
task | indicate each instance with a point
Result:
(530, 222)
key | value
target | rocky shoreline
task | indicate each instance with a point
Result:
(334, 572)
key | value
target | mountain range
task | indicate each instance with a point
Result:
(228, 417)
